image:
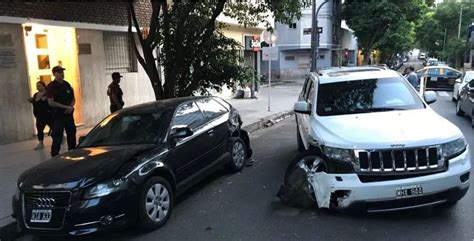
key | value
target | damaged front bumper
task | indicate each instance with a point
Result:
(346, 191)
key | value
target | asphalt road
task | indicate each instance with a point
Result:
(244, 206)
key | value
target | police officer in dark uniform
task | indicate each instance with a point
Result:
(115, 93)
(61, 99)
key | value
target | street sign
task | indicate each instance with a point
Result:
(266, 53)
(253, 43)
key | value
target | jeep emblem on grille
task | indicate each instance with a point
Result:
(397, 145)
(45, 202)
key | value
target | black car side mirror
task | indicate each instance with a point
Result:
(180, 132)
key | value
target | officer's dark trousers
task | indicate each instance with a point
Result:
(63, 122)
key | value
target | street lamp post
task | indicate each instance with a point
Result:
(315, 36)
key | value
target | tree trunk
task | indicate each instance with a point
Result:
(367, 54)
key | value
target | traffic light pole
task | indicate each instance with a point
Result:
(315, 36)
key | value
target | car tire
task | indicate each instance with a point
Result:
(150, 203)
(459, 111)
(238, 154)
(301, 147)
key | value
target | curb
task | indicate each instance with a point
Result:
(268, 121)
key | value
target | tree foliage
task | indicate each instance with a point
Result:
(195, 54)
(376, 22)
(445, 19)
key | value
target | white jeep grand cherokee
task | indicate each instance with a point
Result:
(370, 141)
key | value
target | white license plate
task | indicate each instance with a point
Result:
(41, 216)
(410, 191)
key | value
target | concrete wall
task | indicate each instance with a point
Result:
(16, 118)
(94, 80)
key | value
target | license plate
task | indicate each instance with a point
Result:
(41, 216)
(409, 191)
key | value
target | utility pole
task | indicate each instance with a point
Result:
(444, 42)
(460, 23)
(315, 36)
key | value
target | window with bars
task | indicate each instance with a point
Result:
(119, 56)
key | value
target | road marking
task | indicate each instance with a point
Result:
(443, 93)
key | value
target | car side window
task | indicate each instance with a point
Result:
(471, 84)
(211, 108)
(310, 96)
(434, 71)
(188, 115)
(305, 87)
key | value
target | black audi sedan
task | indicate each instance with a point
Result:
(131, 166)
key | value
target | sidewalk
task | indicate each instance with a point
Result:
(17, 157)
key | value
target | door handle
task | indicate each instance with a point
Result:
(210, 132)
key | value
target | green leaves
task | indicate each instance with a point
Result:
(383, 24)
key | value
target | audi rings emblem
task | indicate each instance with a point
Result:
(45, 202)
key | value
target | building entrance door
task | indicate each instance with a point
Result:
(48, 46)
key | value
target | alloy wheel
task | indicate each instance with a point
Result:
(157, 203)
(238, 154)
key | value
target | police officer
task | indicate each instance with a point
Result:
(115, 93)
(61, 99)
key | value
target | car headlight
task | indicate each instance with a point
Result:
(453, 148)
(234, 118)
(339, 154)
(106, 188)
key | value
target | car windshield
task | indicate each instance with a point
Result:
(365, 96)
(127, 129)
(469, 76)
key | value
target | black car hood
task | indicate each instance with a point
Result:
(81, 167)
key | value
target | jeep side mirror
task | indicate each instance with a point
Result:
(430, 97)
(302, 107)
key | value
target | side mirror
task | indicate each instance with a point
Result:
(458, 81)
(81, 139)
(430, 97)
(302, 107)
(180, 132)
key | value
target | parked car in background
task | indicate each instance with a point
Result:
(431, 62)
(131, 166)
(439, 77)
(422, 55)
(461, 82)
(465, 103)
(369, 141)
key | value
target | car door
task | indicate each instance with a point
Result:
(433, 74)
(217, 117)
(186, 154)
(450, 76)
(304, 119)
(467, 98)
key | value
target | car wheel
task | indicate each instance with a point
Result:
(459, 111)
(156, 203)
(238, 155)
(299, 140)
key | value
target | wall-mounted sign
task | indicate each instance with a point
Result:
(7, 58)
(85, 49)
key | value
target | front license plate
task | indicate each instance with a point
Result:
(409, 191)
(41, 216)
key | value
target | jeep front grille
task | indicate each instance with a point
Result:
(400, 160)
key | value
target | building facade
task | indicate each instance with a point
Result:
(90, 40)
(337, 43)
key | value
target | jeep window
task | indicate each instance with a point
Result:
(365, 96)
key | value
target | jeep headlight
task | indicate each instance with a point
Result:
(106, 188)
(339, 154)
(453, 148)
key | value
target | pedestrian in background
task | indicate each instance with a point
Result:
(42, 113)
(61, 99)
(115, 93)
(412, 77)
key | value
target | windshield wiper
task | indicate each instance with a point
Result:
(380, 109)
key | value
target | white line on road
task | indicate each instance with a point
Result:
(443, 93)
